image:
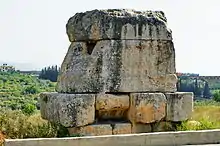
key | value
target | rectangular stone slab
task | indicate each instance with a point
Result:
(147, 107)
(92, 130)
(118, 24)
(70, 110)
(118, 66)
(179, 106)
(108, 102)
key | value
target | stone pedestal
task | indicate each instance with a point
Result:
(118, 76)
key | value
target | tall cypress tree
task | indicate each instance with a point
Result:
(206, 92)
(196, 88)
(49, 73)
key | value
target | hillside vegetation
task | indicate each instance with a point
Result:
(19, 107)
(20, 91)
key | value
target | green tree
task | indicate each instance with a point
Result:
(49, 73)
(29, 109)
(206, 92)
(31, 90)
(216, 96)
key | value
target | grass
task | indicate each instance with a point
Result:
(206, 115)
(15, 124)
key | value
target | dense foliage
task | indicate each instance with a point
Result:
(19, 114)
(216, 95)
(198, 87)
(50, 73)
(20, 91)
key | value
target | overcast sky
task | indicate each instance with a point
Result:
(33, 31)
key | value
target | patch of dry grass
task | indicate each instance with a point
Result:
(210, 112)
(14, 124)
(204, 117)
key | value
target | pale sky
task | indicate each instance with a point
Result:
(33, 31)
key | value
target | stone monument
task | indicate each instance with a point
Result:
(118, 76)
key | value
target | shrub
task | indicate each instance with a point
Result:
(30, 90)
(15, 124)
(202, 124)
(29, 109)
(216, 96)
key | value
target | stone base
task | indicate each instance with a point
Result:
(121, 128)
(104, 114)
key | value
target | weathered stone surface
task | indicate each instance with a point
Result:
(121, 128)
(141, 128)
(92, 130)
(112, 115)
(179, 106)
(80, 71)
(68, 109)
(118, 24)
(118, 66)
(106, 102)
(112, 106)
(147, 107)
(162, 126)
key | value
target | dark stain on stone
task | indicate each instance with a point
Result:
(140, 30)
(150, 30)
(45, 98)
(90, 46)
(95, 83)
(125, 30)
(139, 46)
(135, 30)
(115, 70)
(157, 31)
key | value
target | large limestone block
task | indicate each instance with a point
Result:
(70, 110)
(91, 130)
(118, 66)
(118, 24)
(179, 106)
(81, 71)
(147, 107)
(107, 102)
(110, 106)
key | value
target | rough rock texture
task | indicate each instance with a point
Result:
(92, 130)
(118, 76)
(112, 115)
(68, 109)
(110, 106)
(118, 24)
(179, 106)
(118, 66)
(106, 102)
(121, 128)
(141, 128)
(147, 107)
(163, 126)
